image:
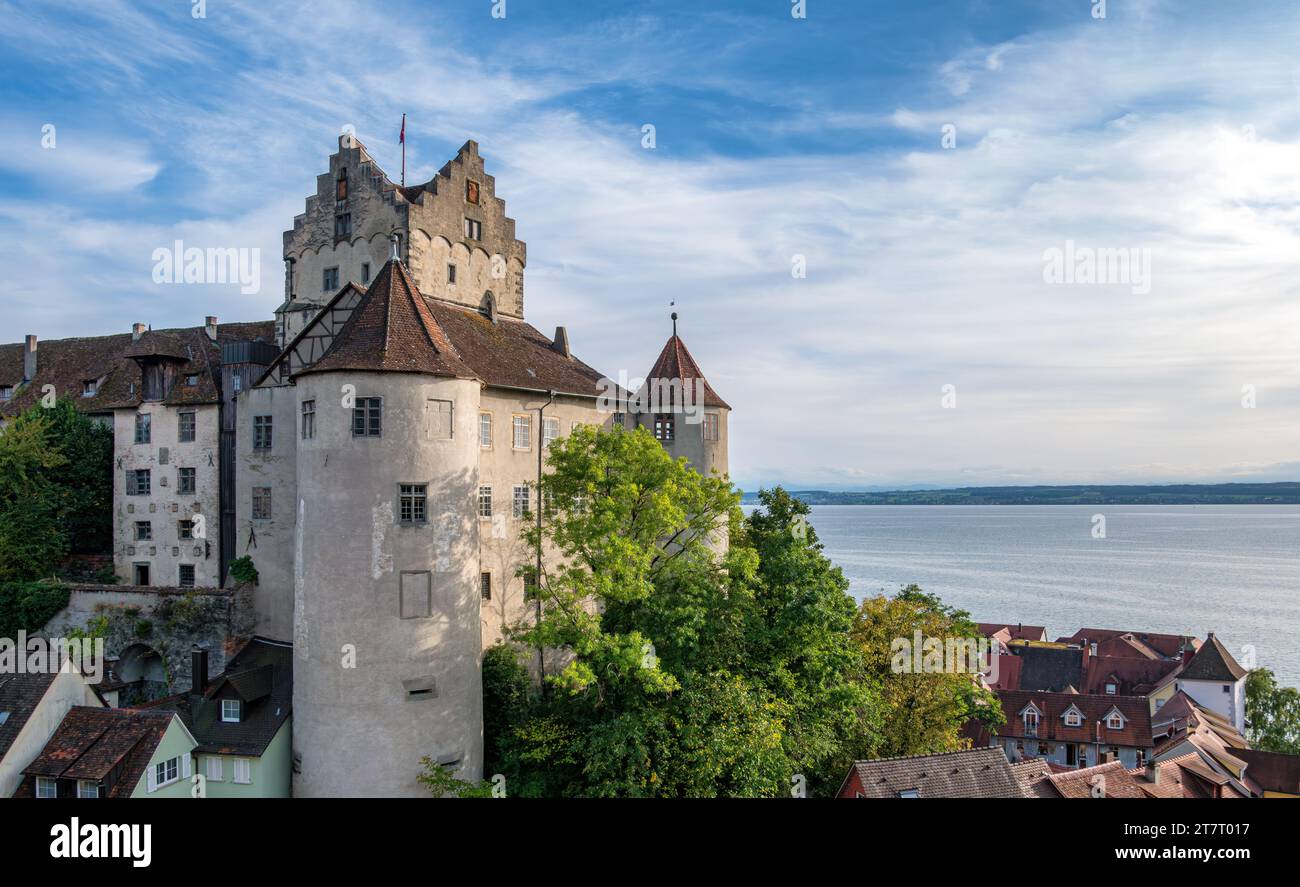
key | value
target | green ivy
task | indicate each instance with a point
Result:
(27, 606)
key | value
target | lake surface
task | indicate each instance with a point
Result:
(1230, 569)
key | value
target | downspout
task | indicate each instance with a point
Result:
(537, 577)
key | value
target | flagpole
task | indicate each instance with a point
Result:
(403, 150)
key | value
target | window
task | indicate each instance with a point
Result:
(87, 789)
(485, 430)
(910, 793)
(412, 502)
(137, 482)
(186, 432)
(416, 595)
(451, 275)
(143, 428)
(243, 774)
(485, 585)
(329, 279)
(261, 503)
(521, 501)
(1227, 688)
(365, 272)
(216, 770)
(523, 427)
(230, 711)
(191, 381)
(1031, 723)
(185, 481)
(366, 417)
(1111, 689)
(6, 392)
(550, 431)
(343, 224)
(341, 188)
(710, 426)
(140, 573)
(1115, 722)
(438, 414)
(166, 772)
(485, 501)
(143, 531)
(473, 229)
(663, 427)
(530, 585)
(46, 788)
(262, 428)
(89, 388)
(308, 419)
(186, 576)
(1072, 719)
(185, 529)
(616, 421)
(237, 382)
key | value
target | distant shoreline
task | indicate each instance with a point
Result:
(1080, 494)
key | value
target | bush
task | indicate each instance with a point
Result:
(243, 571)
(28, 606)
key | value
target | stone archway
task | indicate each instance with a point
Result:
(142, 675)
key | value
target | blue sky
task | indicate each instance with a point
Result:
(1165, 128)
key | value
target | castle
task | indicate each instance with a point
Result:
(374, 451)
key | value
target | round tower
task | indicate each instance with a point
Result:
(387, 633)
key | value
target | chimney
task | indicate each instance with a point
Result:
(137, 330)
(198, 672)
(1153, 773)
(210, 327)
(29, 359)
(561, 343)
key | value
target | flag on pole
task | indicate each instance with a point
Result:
(402, 138)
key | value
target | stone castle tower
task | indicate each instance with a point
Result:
(387, 459)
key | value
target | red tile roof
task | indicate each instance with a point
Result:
(675, 362)
(91, 742)
(1213, 662)
(1165, 644)
(1136, 732)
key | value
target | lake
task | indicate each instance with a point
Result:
(1230, 569)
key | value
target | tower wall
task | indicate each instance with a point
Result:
(360, 731)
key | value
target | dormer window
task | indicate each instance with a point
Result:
(1115, 722)
(1073, 718)
(90, 387)
(1111, 689)
(230, 711)
(191, 381)
(1031, 723)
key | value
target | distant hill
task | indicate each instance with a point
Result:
(1084, 494)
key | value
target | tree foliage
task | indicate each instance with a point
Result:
(1272, 713)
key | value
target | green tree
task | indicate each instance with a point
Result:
(84, 483)
(1272, 713)
(923, 713)
(33, 536)
(691, 667)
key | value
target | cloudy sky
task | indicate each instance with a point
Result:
(919, 161)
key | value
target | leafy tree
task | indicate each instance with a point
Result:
(32, 534)
(27, 606)
(84, 482)
(922, 713)
(690, 667)
(1272, 713)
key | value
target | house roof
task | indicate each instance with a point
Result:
(1014, 631)
(112, 362)
(1132, 676)
(1136, 731)
(1032, 774)
(90, 742)
(970, 773)
(1272, 771)
(20, 694)
(1053, 669)
(261, 674)
(391, 330)
(675, 362)
(1213, 662)
(1169, 645)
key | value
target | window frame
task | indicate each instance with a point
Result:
(187, 426)
(473, 230)
(549, 422)
(485, 585)
(711, 427)
(246, 766)
(370, 412)
(163, 768)
(308, 413)
(527, 425)
(187, 481)
(238, 711)
(133, 485)
(416, 496)
(326, 276)
(264, 495)
(263, 433)
(485, 499)
(147, 527)
(217, 773)
(520, 495)
(180, 576)
(665, 427)
(46, 782)
(491, 429)
(81, 788)
(143, 428)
